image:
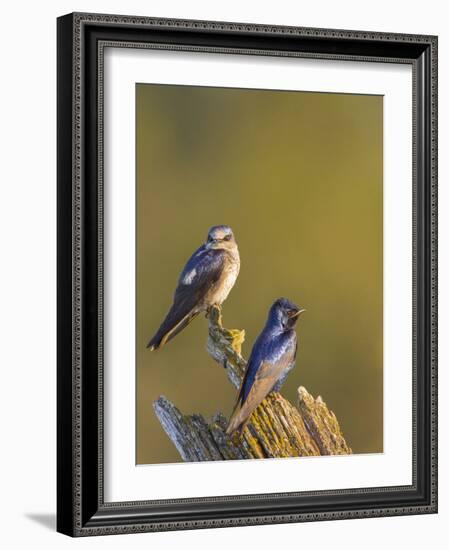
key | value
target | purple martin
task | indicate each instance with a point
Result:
(272, 358)
(206, 280)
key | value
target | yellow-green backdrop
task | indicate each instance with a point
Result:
(298, 177)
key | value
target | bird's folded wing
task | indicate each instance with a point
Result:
(202, 271)
(266, 377)
(199, 275)
(259, 390)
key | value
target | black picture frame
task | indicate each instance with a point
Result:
(81, 509)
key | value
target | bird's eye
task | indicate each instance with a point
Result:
(228, 237)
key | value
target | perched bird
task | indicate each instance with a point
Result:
(206, 280)
(271, 359)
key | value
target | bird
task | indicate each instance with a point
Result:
(205, 281)
(271, 359)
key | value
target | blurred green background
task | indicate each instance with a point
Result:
(298, 177)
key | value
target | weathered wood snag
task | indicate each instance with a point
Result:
(276, 429)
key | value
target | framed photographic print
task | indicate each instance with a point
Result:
(247, 288)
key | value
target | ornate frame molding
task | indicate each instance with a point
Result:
(81, 509)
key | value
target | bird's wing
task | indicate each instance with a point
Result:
(202, 270)
(261, 386)
(266, 377)
(260, 377)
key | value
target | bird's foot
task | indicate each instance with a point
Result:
(235, 337)
(214, 314)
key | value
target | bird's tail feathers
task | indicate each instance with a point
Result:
(238, 420)
(168, 330)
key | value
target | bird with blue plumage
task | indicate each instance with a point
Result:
(206, 281)
(272, 358)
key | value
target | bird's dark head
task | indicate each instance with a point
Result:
(285, 313)
(220, 236)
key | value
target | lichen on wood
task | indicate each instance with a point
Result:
(276, 429)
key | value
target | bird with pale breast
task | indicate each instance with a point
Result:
(272, 358)
(205, 281)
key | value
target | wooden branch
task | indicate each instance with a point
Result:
(276, 429)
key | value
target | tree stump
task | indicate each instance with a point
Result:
(277, 429)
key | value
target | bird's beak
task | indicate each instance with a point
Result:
(297, 313)
(213, 244)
